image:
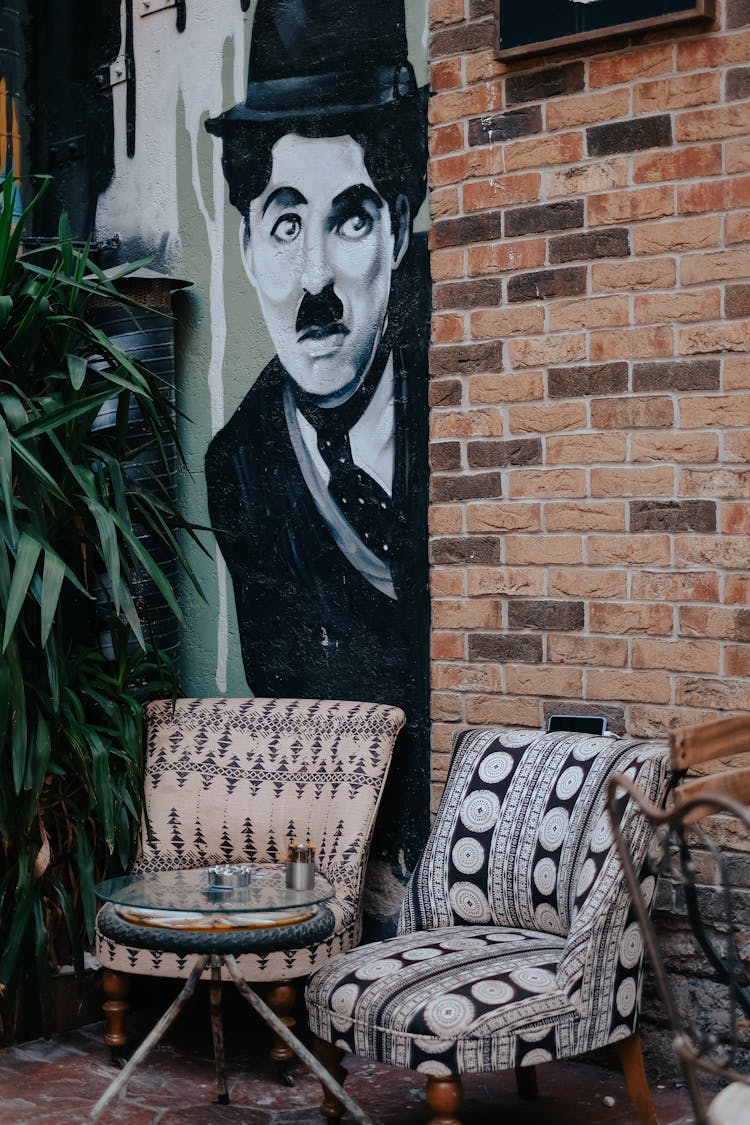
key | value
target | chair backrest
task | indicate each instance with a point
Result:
(720, 739)
(237, 780)
(521, 837)
(708, 1037)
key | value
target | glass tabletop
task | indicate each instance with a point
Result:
(190, 891)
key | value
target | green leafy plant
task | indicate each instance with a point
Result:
(74, 522)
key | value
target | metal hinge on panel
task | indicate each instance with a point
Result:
(112, 75)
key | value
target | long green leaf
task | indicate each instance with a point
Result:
(154, 572)
(85, 859)
(52, 580)
(77, 368)
(108, 546)
(43, 972)
(17, 934)
(23, 573)
(37, 468)
(74, 932)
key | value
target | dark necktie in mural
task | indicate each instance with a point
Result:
(317, 485)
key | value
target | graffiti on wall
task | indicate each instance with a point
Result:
(317, 483)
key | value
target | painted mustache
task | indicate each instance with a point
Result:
(320, 314)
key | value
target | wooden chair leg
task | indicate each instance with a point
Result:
(330, 1057)
(526, 1083)
(280, 999)
(444, 1094)
(631, 1060)
(116, 987)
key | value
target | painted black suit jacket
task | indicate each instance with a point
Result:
(310, 624)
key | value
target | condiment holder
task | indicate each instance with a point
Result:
(300, 867)
(229, 876)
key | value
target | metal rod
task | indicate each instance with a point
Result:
(292, 1041)
(151, 1040)
(217, 1031)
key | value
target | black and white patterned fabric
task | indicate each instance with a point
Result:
(516, 941)
(236, 781)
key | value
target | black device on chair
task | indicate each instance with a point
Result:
(585, 724)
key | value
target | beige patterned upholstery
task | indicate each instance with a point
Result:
(232, 780)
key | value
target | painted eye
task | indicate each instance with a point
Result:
(286, 228)
(356, 226)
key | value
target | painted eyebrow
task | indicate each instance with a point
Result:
(284, 197)
(355, 196)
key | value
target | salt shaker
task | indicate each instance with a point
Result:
(300, 867)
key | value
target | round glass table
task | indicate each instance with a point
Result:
(184, 912)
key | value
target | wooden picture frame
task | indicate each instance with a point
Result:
(531, 27)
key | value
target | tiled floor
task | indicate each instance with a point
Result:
(57, 1081)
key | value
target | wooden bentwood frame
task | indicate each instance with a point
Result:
(519, 24)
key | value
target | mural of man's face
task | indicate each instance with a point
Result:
(320, 248)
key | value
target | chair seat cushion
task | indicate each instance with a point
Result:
(448, 1001)
(282, 965)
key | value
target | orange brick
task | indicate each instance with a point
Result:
(737, 660)
(654, 722)
(547, 482)
(711, 124)
(452, 106)
(611, 70)
(598, 652)
(510, 320)
(726, 695)
(447, 581)
(448, 646)
(481, 65)
(691, 447)
(444, 706)
(714, 195)
(636, 343)
(678, 656)
(676, 93)
(687, 234)
(447, 328)
(588, 312)
(679, 164)
(715, 551)
(503, 517)
(542, 350)
(443, 201)
(499, 257)
(702, 411)
(737, 446)
(709, 51)
(582, 179)
(738, 155)
(630, 617)
(446, 264)
(586, 515)
(465, 677)
(675, 586)
(564, 148)
(737, 227)
(547, 418)
(648, 412)
(441, 738)
(636, 687)
(541, 550)
(735, 519)
(697, 268)
(503, 709)
(445, 74)
(736, 374)
(445, 139)
(506, 581)
(586, 582)
(729, 336)
(465, 165)
(737, 590)
(655, 308)
(627, 206)
(625, 277)
(501, 191)
(465, 613)
(445, 519)
(563, 113)
(550, 681)
(446, 12)
(523, 386)
(628, 550)
(586, 449)
(466, 423)
(657, 481)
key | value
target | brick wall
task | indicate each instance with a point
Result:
(590, 377)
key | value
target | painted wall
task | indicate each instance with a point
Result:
(168, 200)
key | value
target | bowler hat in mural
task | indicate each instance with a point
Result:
(323, 57)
